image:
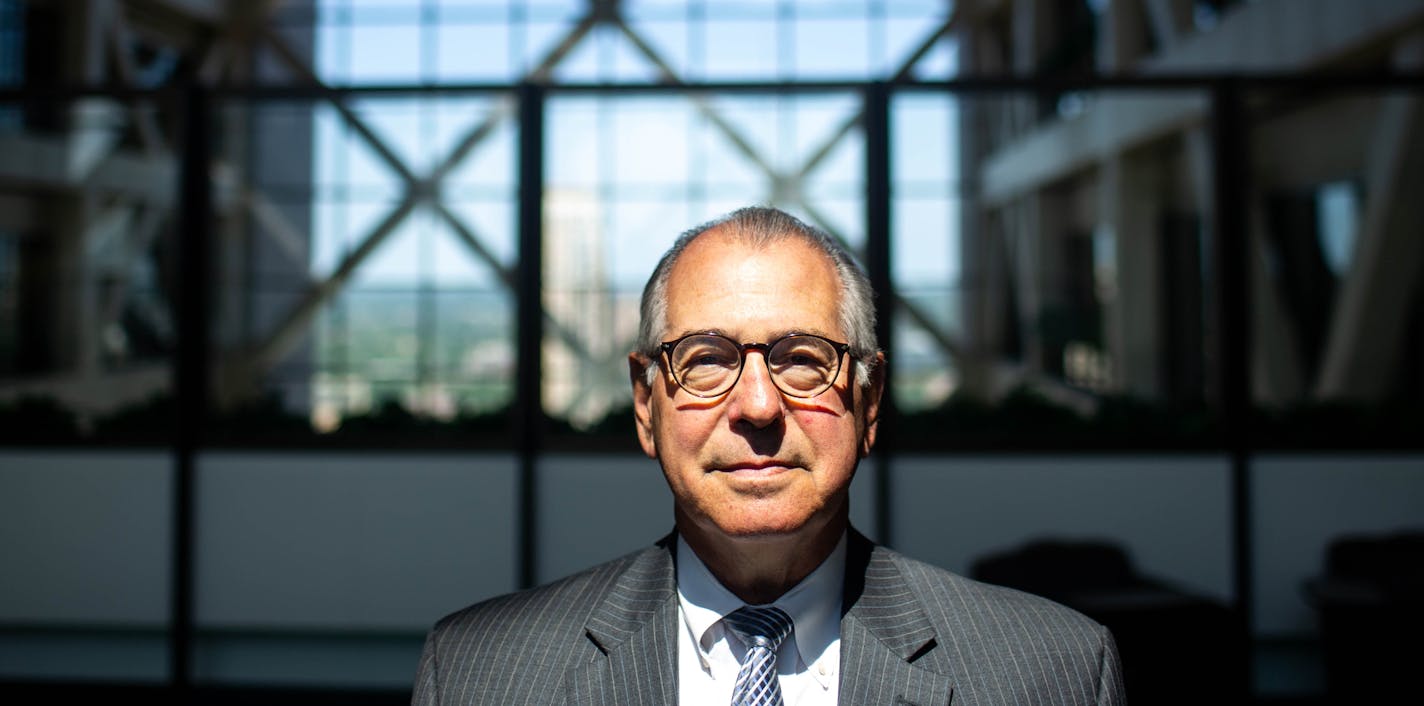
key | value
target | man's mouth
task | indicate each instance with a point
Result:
(755, 468)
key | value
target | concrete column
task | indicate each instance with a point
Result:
(1276, 376)
(982, 293)
(1170, 20)
(1024, 232)
(71, 336)
(1130, 206)
(1121, 40)
(984, 304)
(1037, 250)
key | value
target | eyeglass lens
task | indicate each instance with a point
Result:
(799, 365)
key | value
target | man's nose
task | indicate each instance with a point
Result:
(755, 399)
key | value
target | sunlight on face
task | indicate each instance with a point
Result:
(754, 462)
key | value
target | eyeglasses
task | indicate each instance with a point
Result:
(708, 364)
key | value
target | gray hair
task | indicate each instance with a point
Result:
(759, 226)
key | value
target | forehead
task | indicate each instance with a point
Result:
(726, 284)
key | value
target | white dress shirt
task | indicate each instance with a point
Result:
(709, 656)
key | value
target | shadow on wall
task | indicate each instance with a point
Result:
(1370, 606)
(1166, 637)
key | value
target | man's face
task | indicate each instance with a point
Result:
(754, 462)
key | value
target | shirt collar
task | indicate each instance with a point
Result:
(814, 604)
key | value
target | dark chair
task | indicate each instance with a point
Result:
(1370, 605)
(1176, 648)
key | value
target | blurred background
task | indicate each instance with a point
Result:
(314, 316)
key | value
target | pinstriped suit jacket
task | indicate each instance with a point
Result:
(910, 634)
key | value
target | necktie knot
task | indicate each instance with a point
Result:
(762, 630)
(759, 627)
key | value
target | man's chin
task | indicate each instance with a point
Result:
(763, 528)
(759, 534)
(758, 521)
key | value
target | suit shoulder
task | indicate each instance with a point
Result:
(956, 599)
(472, 655)
(551, 609)
(1000, 645)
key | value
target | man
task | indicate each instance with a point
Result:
(756, 386)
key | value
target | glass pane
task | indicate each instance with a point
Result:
(473, 52)
(832, 48)
(927, 253)
(397, 61)
(356, 311)
(739, 49)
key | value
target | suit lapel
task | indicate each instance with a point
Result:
(885, 635)
(635, 629)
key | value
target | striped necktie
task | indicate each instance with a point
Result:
(762, 631)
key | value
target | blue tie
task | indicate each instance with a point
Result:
(761, 630)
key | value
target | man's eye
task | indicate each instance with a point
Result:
(710, 358)
(800, 358)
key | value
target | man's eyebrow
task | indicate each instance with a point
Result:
(772, 336)
(698, 331)
(783, 333)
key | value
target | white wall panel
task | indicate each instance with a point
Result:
(351, 541)
(863, 511)
(85, 537)
(595, 508)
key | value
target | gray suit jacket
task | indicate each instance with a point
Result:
(910, 634)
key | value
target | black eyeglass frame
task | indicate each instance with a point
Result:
(667, 348)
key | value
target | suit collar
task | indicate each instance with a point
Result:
(877, 595)
(638, 596)
(634, 626)
(886, 638)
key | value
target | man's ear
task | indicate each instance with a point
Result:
(870, 403)
(642, 402)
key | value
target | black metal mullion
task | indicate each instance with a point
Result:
(876, 123)
(529, 415)
(191, 368)
(1230, 250)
